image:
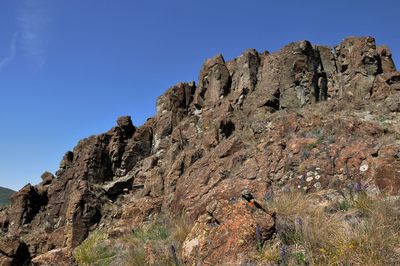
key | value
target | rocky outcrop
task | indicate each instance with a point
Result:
(117, 187)
(214, 82)
(55, 257)
(26, 204)
(358, 64)
(13, 252)
(254, 123)
(226, 233)
(172, 107)
(59, 212)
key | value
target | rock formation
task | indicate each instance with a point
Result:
(304, 118)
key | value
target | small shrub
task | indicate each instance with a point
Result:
(270, 253)
(343, 205)
(310, 146)
(318, 133)
(300, 258)
(154, 232)
(305, 154)
(364, 203)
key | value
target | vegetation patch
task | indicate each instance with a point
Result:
(155, 243)
(94, 251)
(364, 230)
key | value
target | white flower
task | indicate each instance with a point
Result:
(364, 167)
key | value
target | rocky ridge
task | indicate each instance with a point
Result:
(307, 118)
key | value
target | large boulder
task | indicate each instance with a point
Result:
(125, 124)
(47, 178)
(227, 234)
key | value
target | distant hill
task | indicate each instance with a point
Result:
(5, 194)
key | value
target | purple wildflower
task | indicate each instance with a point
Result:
(357, 187)
(269, 195)
(258, 237)
(283, 253)
(299, 221)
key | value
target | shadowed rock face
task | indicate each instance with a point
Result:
(252, 123)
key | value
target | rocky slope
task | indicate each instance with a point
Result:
(5, 194)
(306, 118)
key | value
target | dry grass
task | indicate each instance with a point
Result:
(151, 244)
(180, 229)
(270, 253)
(366, 232)
(377, 240)
(330, 239)
(292, 204)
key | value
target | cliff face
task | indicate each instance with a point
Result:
(304, 118)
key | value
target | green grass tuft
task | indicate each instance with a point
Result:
(94, 251)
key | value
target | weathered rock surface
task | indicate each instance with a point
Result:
(227, 233)
(251, 123)
(117, 187)
(55, 257)
(214, 82)
(47, 178)
(13, 252)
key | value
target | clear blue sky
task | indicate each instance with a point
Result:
(68, 68)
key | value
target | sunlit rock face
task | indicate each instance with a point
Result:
(306, 117)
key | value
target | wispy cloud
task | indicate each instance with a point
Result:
(34, 21)
(11, 53)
